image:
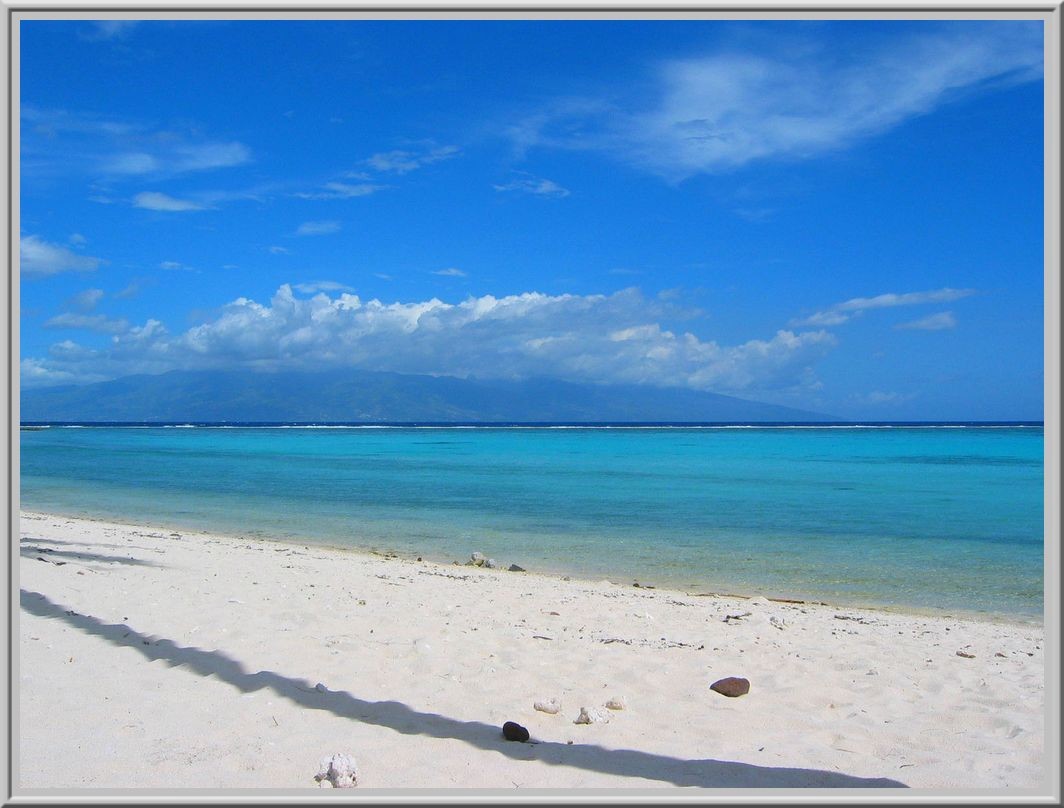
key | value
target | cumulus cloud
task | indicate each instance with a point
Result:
(401, 161)
(723, 110)
(935, 322)
(536, 186)
(615, 338)
(317, 228)
(38, 258)
(153, 200)
(845, 311)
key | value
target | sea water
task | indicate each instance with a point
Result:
(940, 518)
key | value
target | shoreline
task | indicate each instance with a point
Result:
(150, 658)
(566, 575)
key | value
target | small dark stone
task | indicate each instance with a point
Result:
(731, 686)
(419, 558)
(512, 731)
(515, 568)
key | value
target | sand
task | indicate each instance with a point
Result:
(159, 658)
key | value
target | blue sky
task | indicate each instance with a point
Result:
(838, 216)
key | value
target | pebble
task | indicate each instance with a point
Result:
(591, 717)
(616, 703)
(731, 686)
(477, 559)
(965, 654)
(491, 564)
(512, 731)
(515, 568)
(550, 706)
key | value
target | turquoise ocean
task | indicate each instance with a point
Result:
(927, 517)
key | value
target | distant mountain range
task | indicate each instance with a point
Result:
(368, 396)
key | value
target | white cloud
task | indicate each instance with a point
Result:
(935, 322)
(171, 265)
(88, 322)
(279, 250)
(177, 159)
(59, 142)
(317, 228)
(880, 398)
(534, 185)
(152, 200)
(717, 112)
(86, 300)
(38, 258)
(77, 239)
(321, 286)
(450, 272)
(110, 29)
(130, 291)
(845, 311)
(615, 338)
(402, 162)
(342, 190)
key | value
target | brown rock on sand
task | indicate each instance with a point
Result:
(731, 686)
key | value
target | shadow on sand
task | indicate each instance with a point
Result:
(50, 554)
(705, 773)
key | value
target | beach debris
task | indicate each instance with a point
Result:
(731, 686)
(591, 716)
(999, 654)
(491, 564)
(512, 731)
(338, 771)
(760, 600)
(861, 620)
(477, 560)
(735, 618)
(616, 703)
(777, 622)
(549, 706)
(965, 654)
(515, 568)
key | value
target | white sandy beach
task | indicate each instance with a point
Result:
(152, 658)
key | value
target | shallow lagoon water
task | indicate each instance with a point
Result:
(925, 517)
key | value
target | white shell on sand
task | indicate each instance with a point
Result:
(591, 716)
(616, 703)
(338, 771)
(550, 706)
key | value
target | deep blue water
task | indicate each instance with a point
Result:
(930, 517)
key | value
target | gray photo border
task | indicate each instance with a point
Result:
(1049, 12)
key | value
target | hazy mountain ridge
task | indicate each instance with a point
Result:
(357, 395)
